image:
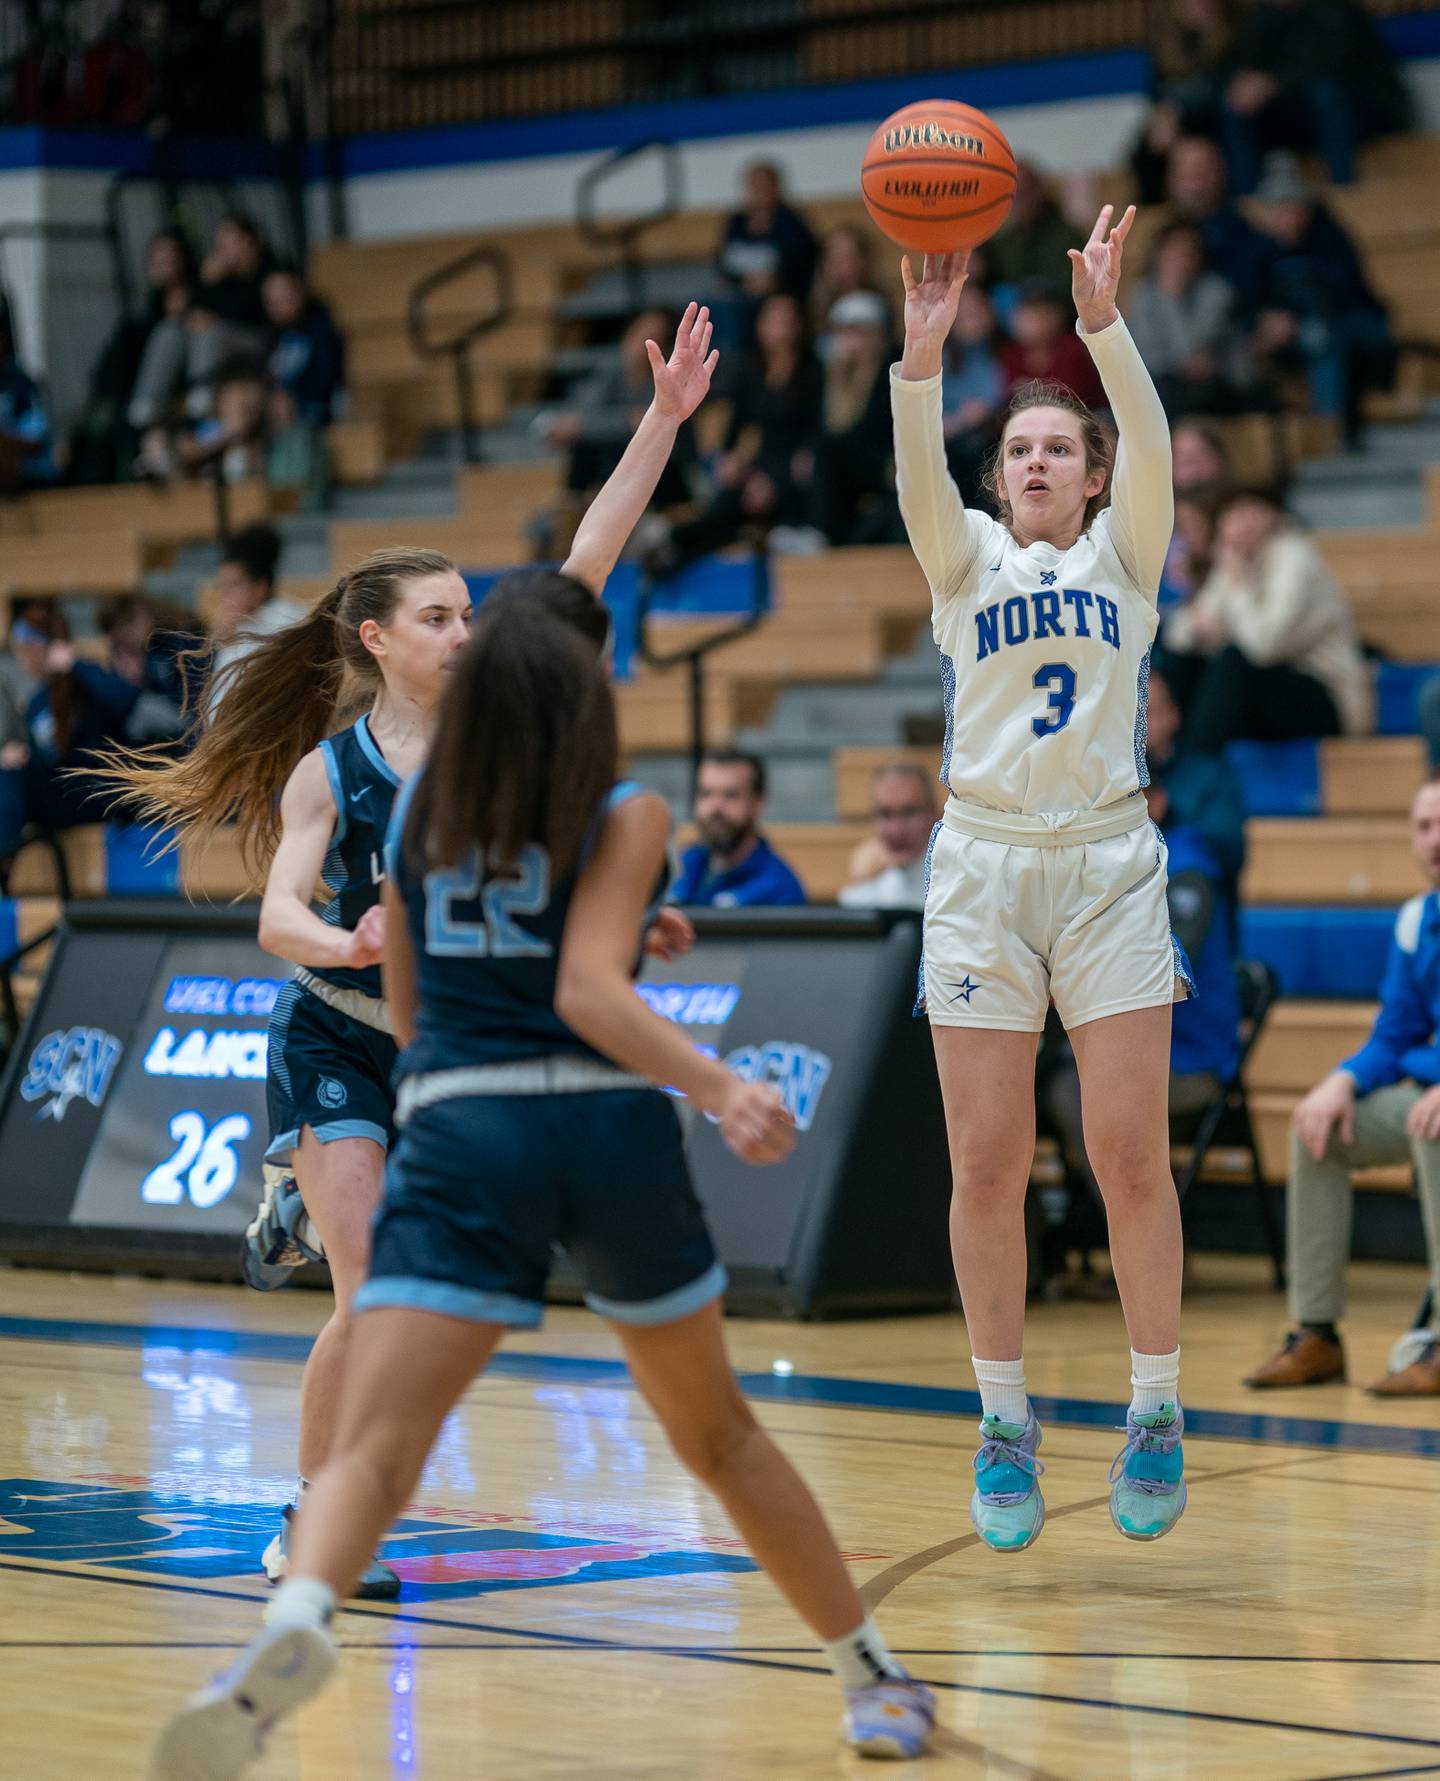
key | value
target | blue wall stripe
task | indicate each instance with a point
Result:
(799, 1388)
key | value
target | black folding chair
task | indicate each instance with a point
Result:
(1226, 1120)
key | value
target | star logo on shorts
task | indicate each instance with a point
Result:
(964, 990)
(1047, 577)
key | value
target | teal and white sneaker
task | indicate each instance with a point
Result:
(1007, 1509)
(1147, 1480)
(894, 1719)
(378, 1583)
(222, 1728)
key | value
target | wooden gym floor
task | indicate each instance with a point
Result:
(575, 1608)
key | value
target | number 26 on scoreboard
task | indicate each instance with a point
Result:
(204, 1164)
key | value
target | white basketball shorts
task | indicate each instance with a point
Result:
(1019, 915)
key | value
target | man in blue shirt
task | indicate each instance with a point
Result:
(1380, 1106)
(733, 866)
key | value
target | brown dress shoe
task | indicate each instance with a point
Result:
(1305, 1359)
(1421, 1379)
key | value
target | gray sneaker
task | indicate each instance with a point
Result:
(280, 1237)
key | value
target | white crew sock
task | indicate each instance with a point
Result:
(1002, 1389)
(301, 1601)
(1154, 1380)
(862, 1658)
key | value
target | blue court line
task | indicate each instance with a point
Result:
(798, 1388)
(535, 1640)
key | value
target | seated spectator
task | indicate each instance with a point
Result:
(1190, 44)
(1030, 250)
(1319, 311)
(1202, 791)
(22, 668)
(1308, 74)
(1380, 1106)
(247, 607)
(307, 355)
(26, 450)
(887, 869)
(1044, 347)
(854, 497)
(1182, 317)
(1200, 459)
(101, 445)
(733, 866)
(765, 246)
(847, 263)
(595, 431)
(1200, 193)
(1192, 545)
(1205, 1027)
(230, 443)
(972, 393)
(185, 354)
(766, 467)
(137, 697)
(1267, 649)
(307, 386)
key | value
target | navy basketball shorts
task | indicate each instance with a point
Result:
(328, 1071)
(480, 1188)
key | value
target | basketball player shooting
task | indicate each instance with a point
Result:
(1047, 878)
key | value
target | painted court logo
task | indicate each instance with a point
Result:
(123, 1525)
(69, 1065)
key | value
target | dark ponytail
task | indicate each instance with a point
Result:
(526, 746)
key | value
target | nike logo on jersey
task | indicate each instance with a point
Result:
(355, 797)
(1052, 612)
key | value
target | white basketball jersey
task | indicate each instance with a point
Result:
(1045, 652)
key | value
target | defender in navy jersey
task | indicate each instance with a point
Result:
(521, 883)
(331, 1056)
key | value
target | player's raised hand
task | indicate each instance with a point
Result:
(1095, 270)
(683, 380)
(932, 299)
(930, 305)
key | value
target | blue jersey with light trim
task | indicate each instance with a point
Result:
(487, 950)
(363, 784)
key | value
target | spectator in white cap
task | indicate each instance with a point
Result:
(855, 469)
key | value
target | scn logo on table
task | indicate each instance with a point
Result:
(71, 1064)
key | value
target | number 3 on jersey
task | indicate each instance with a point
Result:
(1058, 679)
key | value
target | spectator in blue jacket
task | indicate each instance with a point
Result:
(1381, 1106)
(307, 354)
(1200, 193)
(1205, 1028)
(733, 866)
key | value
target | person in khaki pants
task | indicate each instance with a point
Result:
(1380, 1106)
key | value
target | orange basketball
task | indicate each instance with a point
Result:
(938, 176)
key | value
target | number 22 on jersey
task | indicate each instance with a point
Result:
(498, 935)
